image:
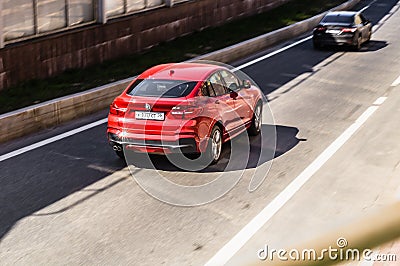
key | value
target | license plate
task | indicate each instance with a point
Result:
(149, 115)
(333, 31)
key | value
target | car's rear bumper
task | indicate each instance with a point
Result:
(169, 136)
(157, 146)
(334, 40)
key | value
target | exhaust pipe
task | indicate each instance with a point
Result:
(117, 148)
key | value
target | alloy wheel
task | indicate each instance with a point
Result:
(216, 144)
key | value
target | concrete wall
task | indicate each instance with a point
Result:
(50, 55)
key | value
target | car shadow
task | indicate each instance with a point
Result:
(56, 171)
(257, 150)
(371, 46)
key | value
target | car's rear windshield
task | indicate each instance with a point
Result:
(338, 19)
(161, 88)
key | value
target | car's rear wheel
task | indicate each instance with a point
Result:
(214, 146)
(256, 121)
(369, 35)
(120, 154)
(357, 47)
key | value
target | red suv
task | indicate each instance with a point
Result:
(183, 108)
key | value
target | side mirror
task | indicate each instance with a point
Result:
(233, 94)
(246, 84)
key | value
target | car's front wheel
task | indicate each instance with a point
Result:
(256, 121)
(215, 145)
(369, 35)
(357, 46)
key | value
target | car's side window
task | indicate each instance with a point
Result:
(217, 84)
(231, 80)
(363, 19)
(206, 89)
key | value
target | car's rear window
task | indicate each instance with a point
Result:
(161, 88)
(338, 19)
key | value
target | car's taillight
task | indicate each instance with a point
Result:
(349, 29)
(117, 110)
(320, 28)
(185, 111)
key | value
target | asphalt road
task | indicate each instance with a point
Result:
(74, 202)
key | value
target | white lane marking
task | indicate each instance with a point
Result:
(240, 239)
(396, 82)
(380, 100)
(386, 17)
(52, 139)
(271, 54)
(363, 9)
(368, 6)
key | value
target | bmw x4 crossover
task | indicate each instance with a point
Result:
(184, 108)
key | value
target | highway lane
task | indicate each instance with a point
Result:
(72, 202)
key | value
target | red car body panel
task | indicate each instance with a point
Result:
(188, 120)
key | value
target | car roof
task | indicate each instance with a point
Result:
(342, 13)
(180, 71)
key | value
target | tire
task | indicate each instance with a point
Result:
(357, 47)
(369, 36)
(256, 121)
(120, 154)
(214, 147)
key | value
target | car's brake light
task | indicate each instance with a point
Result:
(117, 110)
(349, 29)
(320, 28)
(185, 111)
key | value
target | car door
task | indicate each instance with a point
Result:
(222, 101)
(367, 27)
(242, 101)
(361, 27)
